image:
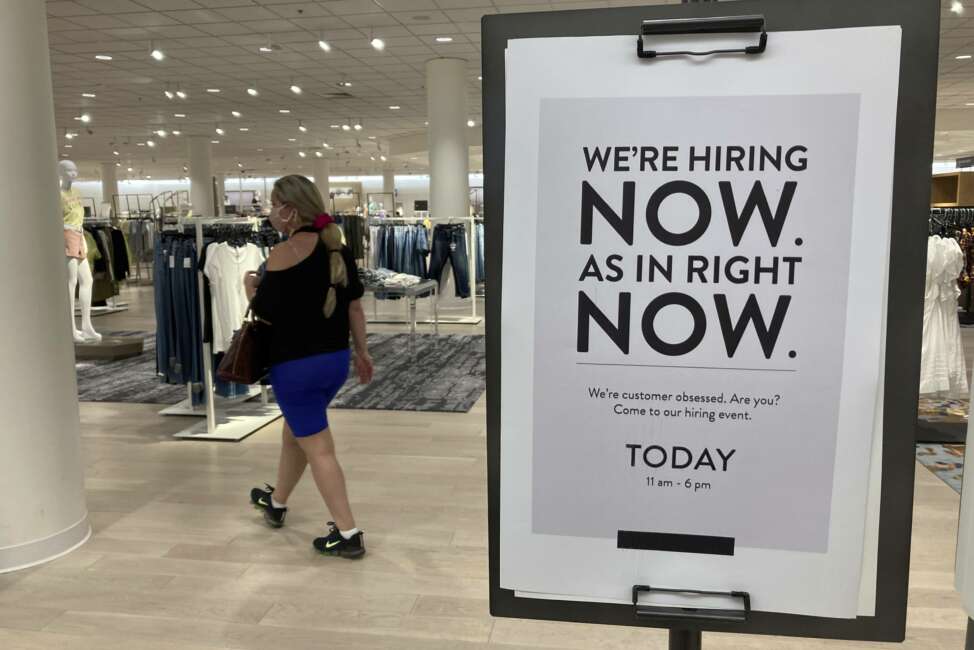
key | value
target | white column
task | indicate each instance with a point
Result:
(389, 187)
(43, 515)
(446, 93)
(321, 170)
(201, 175)
(220, 185)
(109, 183)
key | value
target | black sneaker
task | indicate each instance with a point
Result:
(262, 500)
(335, 544)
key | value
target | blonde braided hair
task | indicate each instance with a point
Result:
(302, 195)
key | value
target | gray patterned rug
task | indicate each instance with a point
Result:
(439, 373)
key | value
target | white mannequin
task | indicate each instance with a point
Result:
(79, 273)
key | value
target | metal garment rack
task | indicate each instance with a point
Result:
(470, 222)
(227, 419)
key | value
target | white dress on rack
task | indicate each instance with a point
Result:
(943, 368)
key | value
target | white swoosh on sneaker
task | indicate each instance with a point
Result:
(332, 544)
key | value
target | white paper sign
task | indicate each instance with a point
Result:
(696, 268)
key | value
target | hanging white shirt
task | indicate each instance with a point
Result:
(225, 268)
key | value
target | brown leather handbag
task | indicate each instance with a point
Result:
(247, 360)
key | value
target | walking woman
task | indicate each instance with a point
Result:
(311, 296)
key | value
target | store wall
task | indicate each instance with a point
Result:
(410, 187)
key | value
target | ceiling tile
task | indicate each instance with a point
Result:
(269, 26)
(242, 14)
(468, 15)
(351, 7)
(370, 20)
(129, 33)
(196, 16)
(169, 5)
(299, 10)
(60, 25)
(225, 29)
(428, 31)
(175, 31)
(152, 19)
(99, 22)
(111, 6)
(217, 4)
(64, 8)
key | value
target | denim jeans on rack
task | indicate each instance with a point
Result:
(164, 316)
(450, 243)
(480, 252)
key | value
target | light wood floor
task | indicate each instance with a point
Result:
(179, 560)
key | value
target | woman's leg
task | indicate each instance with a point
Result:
(329, 477)
(291, 467)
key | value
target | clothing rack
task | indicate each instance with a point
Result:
(474, 318)
(227, 419)
(112, 305)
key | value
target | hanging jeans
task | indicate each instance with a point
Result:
(450, 243)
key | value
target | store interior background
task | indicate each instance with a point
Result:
(178, 559)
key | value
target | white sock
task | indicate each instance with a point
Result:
(349, 534)
(277, 505)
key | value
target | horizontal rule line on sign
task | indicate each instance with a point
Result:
(646, 365)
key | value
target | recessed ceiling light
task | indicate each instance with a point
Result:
(963, 57)
(480, 77)
(444, 39)
(181, 94)
(284, 111)
(394, 107)
(162, 133)
(213, 90)
(157, 54)
(214, 142)
(150, 143)
(244, 129)
(319, 154)
(236, 113)
(296, 89)
(148, 178)
(357, 126)
(179, 115)
(240, 165)
(323, 44)
(383, 158)
(292, 139)
(84, 117)
(220, 131)
(252, 91)
(302, 128)
(115, 153)
(335, 126)
(371, 137)
(103, 57)
(70, 136)
(69, 146)
(266, 49)
(139, 144)
(957, 7)
(345, 84)
(89, 95)
(170, 94)
(177, 132)
(302, 154)
(118, 164)
(326, 145)
(346, 127)
(130, 170)
(378, 44)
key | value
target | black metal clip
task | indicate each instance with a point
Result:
(692, 613)
(721, 25)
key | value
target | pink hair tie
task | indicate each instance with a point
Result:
(323, 220)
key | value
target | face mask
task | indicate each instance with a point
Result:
(279, 223)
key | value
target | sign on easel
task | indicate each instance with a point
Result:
(691, 339)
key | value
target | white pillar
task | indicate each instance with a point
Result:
(109, 183)
(446, 93)
(43, 514)
(322, 169)
(201, 175)
(220, 187)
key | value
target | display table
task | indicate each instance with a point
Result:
(424, 289)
